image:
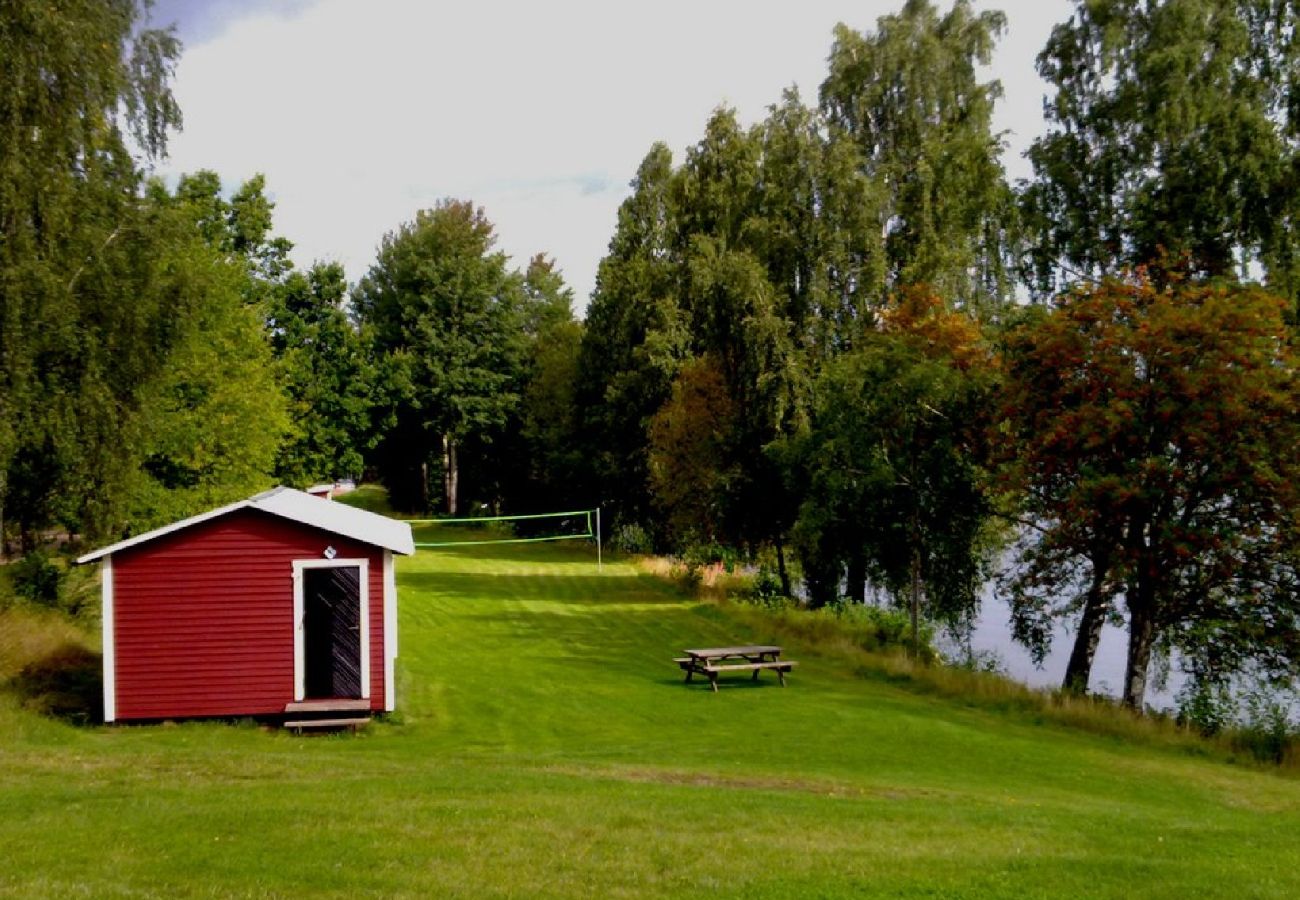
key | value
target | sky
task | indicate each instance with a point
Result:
(361, 112)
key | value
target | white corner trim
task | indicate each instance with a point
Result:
(390, 631)
(299, 657)
(107, 639)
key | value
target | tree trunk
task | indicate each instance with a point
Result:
(1141, 632)
(780, 568)
(450, 473)
(425, 508)
(855, 583)
(915, 604)
(1078, 672)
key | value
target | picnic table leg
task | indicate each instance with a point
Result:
(755, 678)
(690, 670)
(713, 681)
(781, 674)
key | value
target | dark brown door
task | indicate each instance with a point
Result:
(332, 632)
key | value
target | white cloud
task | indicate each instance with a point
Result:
(361, 113)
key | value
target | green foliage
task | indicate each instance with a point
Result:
(908, 96)
(891, 465)
(632, 346)
(212, 419)
(547, 301)
(328, 375)
(37, 579)
(239, 228)
(986, 662)
(732, 279)
(1172, 129)
(135, 383)
(631, 538)
(78, 329)
(1206, 707)
(547, 426)
(858, 627)
(1268, 730)
(444, 314)
(764, 589)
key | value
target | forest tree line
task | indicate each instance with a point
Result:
(837, 341)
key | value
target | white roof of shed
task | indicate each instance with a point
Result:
(297, 506)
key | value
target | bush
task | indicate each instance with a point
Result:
(631, 538)
(1266, 729)
(989, 662)
(883, 628)
(764, 590)
(37, 579)
(1205, 707)
(709, 554)
(872, 629)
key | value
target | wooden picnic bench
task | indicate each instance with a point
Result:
(712, 661)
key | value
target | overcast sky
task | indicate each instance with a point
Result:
(360, 113)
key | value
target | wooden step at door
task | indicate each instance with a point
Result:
(327, 706)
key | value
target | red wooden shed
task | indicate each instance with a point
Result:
(280, 603)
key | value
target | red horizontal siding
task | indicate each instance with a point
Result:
(203, 617)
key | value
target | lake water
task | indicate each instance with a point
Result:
(993, 634)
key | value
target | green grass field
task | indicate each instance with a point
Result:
(546, 747)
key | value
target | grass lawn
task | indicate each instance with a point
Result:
(546, 747)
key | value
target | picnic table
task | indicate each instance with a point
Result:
(710, 661)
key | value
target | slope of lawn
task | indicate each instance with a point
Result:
(546, 747)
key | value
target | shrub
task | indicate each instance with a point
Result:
(37, 579)
(1205, 707)
(872, 629)
(1266, 730)
(699, 555)
(764, 589)
(631, 538)
(989, 662)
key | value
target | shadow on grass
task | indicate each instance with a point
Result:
(66, 683)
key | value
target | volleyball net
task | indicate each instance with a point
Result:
(530, 528)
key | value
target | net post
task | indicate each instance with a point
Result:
(599, 563)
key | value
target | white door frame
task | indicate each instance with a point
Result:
(299, 652)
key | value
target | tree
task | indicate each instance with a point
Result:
(907, 95)
(327, 374)
(634, 342)
(445, 311)
(895, 494)
(214, 416)
(76, 81)
(691, 460)
(548, 435)
(1172, 130)
(1153, 435)
(239, 228)
(547, 300)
